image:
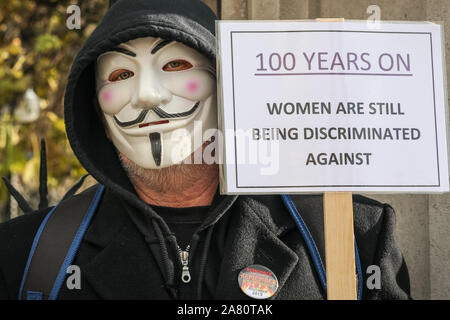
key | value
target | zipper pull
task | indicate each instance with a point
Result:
(185, 274)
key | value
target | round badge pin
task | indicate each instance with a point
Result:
(258, 282)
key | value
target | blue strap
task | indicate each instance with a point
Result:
(313, 251)
(36, 295)
(33, 249)
(76, 243)
(359, 272)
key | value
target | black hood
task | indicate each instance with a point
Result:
(188, 21)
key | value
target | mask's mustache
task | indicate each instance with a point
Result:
(139, 119)
(159, 112)
(165, 115)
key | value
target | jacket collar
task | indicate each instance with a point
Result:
(121, 265)
(124, 269)
(124, 261)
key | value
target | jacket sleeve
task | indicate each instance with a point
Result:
(394, 278)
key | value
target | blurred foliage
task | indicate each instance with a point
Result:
(36, 51)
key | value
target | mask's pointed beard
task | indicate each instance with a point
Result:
(156, 145)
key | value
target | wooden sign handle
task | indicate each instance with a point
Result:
(339, 238)
(339, 246)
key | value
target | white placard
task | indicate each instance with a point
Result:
(349, 106)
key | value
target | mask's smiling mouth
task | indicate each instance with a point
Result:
(143, 125)
(159, 112)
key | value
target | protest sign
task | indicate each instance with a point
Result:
(315, 107)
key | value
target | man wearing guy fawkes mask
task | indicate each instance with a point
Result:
(140, 100)
(158, 100)
(150, 87)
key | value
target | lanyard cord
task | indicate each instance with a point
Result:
(312, 248)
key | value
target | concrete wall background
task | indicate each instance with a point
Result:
(423, 221)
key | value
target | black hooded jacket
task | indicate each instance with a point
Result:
(129, 252)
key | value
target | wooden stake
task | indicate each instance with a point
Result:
(339, 238)
(339, 246)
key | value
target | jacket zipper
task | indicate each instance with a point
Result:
(184, 258)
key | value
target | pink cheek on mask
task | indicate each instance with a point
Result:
(192, 86)
(107, 96)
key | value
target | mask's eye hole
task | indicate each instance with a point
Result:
(177, 65)
(121, 74)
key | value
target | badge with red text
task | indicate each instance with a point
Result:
(258, 282)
